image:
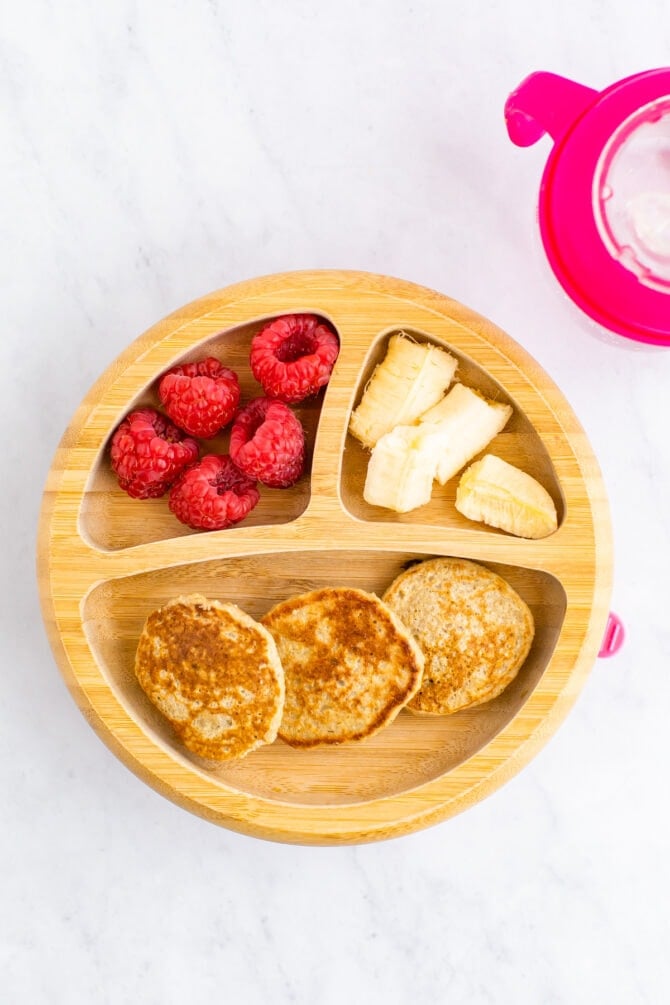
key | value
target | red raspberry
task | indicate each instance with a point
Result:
(148, 453)
(293, 356)
(200, 397)
(213, 494)
(267, 442)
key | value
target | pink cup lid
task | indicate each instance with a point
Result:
(605, 194)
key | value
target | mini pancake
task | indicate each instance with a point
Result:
(215, 673)
(350, 665)
(474, 630)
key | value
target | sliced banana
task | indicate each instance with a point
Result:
(412, 377)
(500, 495)
(401, 468)
(466, 422)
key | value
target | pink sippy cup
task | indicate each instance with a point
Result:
(604, 204)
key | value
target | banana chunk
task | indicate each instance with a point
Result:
(401, 468)
(500, 495)
(412, 377)
(466, 422)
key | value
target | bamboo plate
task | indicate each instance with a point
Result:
(105, 561)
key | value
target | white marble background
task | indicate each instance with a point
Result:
(151, 152)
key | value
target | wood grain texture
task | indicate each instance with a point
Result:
(104, 561)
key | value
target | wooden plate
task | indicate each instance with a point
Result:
(106, 560)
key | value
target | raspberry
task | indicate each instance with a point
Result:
(293, 356)
(200, 397)
(213, 494)
(148, 453)
(267, 442)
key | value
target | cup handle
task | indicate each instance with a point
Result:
(614, 636)
(545, 103)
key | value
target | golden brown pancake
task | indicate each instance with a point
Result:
(215, 673)
(474, 630)
(350, 665)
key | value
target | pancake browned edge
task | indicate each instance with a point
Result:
(474, 630)
(350, 665)
(215, 673)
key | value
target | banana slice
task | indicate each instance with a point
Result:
(500, 495)
(412, 377)
(401, 468)
(467, 422)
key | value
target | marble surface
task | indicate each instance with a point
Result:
(150, 153)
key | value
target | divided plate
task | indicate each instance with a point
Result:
(105, 561)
